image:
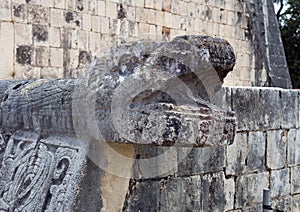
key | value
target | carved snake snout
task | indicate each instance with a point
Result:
(167, 123)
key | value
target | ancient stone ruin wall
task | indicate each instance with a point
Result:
(265, 154)
(57, 38)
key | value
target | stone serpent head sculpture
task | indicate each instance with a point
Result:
(159, 93)
(144, 93)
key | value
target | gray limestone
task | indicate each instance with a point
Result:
(154, 161)
(296, 203)
(245, 103)
(295, 179)
(289, 108)
(40, 174)
(143, 93)
(276, 149)
(270, 116)
(165, 98)
(293, 139)
(236, 155)
(283, 204)
(174, 198)
(200, 160)
(280, 183)
(249, 189)
(143, 196)
(257, 151)
(216, 190)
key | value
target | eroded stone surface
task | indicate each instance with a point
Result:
(296, 203)
(161, 92)
(270, 118)
(293, 139)
(249, 189)
(257, 152)
(173, 196)
(295, 178)
(289, 105)
(39, 173)
(247, 114)
(236, 155)
(200, 160)
(283, 204)
(142, 93)
(280, 183)
(276, 149)
(145, 93)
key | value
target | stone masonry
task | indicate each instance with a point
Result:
(57, 38)
(217, 178)
(232, 178)
(45, 167)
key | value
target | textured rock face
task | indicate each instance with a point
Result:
(145, 93)
(160, 92)
(48, 39)
(42, 162)
(40, 174)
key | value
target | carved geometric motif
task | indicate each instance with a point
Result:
(39, 174)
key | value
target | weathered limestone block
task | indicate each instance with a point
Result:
(246, 154)
(219, 192)
(222, 98)
(200, 160)
(296, 203)
(283, 204)
(154, 161)
(6, 45)
(270, 116)
(143, 196)
(280, 183)
(249, 189)
(90, 187)
(293, 139)
(295, 179)
(289, 108)
(173, 196)
(236, 155)
(246, 113)
(257, 151)
(5, 10)
(211, 192)
(276, 149)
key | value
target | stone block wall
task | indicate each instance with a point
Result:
(50, 170)
(265, 154)
(266, 149)
(57, 38)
